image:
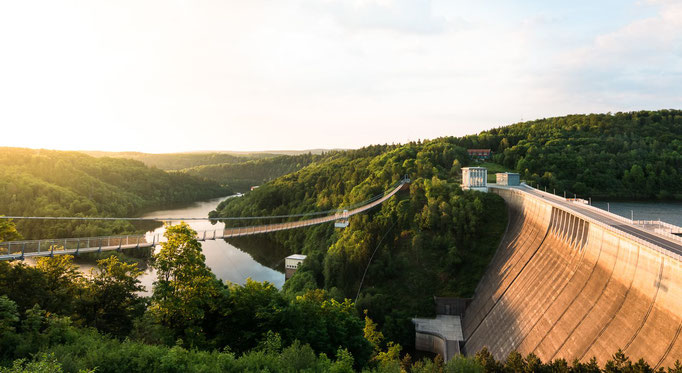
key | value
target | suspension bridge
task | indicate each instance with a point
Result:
(12, 250)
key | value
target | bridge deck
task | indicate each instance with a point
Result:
(12, 250)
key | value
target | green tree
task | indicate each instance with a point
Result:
(111, 302)
(64, 283)
(185, 286)
(9, 315)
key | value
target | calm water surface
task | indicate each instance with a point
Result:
(669, 212)
(228, 262)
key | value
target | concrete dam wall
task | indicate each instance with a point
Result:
(563, 286)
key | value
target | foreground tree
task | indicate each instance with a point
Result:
(111, 302)
(185, 286)
(64, 282)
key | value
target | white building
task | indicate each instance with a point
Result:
(475, 178)
(291, 264)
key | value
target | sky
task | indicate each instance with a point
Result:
(171, 76)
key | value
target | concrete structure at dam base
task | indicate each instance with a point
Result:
(574, 283)
(442, 335)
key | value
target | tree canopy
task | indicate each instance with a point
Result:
(57, 183)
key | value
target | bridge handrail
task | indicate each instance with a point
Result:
(61, 245)
(624, 219)
(607, 227)
(20, 242)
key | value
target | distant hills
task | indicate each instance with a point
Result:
(236, 170)
(179, 161)
(61, 183)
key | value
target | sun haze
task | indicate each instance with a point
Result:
(167, 76)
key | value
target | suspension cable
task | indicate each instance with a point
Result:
(327, 212)
(370, 260)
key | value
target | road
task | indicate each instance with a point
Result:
(610, 220)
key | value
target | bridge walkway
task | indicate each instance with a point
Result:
(12, 250)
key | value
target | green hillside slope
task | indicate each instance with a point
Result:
(241, 176)
(438, 238)
(635, 155)
(55, 183)
(178, 161)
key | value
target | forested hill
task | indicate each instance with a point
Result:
(438, 238)
(243, 175)
(57, 183)
(178, 161)
(636, 155)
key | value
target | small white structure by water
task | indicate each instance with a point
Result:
(291, 264)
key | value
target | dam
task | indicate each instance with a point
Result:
(575, 282)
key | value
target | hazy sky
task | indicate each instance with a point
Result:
(163, 76)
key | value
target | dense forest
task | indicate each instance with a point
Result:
(348, 308)
(178, 161)
(57, 183)
(433, 246)
(634, 155)
(53, 319)
(433, 243)
(237, 171)
(242, 176)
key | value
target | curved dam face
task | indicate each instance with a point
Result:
(561, 286)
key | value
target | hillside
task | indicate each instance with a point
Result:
(242, 176)
(438, 238)
(636, 155)
(57, 183)
(178, 161)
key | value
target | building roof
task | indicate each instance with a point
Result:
(479, 150)
(474, 168)
(297, 257)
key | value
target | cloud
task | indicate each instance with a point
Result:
(637, 65)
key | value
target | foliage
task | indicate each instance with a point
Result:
(633, 155)
(8, 230)
(243, 175)
(179, 161)
(184, 285)
(57, 183)
(111, 302)
(261, 329)
(434, 244)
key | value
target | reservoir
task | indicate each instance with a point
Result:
(228, 262)
(669, 212)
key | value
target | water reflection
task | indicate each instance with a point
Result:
(226, 260)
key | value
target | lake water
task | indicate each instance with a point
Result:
(231, 261)
(669, 212)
